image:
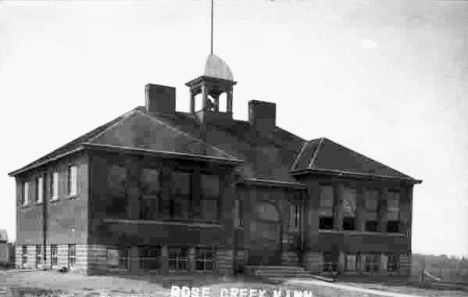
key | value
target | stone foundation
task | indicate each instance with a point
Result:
(224, 259)
(313, 262)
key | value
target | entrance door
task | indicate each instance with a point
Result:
(265, 244)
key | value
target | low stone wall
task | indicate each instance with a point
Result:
(289, 258)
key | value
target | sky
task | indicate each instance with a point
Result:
(388, 79)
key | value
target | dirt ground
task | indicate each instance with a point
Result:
(51, 283)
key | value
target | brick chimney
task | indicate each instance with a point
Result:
(262, 115)
(160, 99)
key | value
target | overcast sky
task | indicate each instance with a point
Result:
(388, 79)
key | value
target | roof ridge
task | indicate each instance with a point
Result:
(123, 117)
(299, 155)
(185, 133)
(316, 153)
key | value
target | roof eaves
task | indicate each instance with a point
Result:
(29, 167)
(357, 174)
(232, 160)
(265, 182)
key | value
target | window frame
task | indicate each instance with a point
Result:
(39, 189)
(206, 196)
(72, 180)
(145, 259)
(326, 210)
(72, 255)
(202, 261)
(355, 266)
(24, 255)
(53, 255)
(39, 255)
(329, 226)
(180, 260)
(376, 226)
(54, 186)
(25, 193)
(150, 200)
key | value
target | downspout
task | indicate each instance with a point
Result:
(45, 217)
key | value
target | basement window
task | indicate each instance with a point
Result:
(53, 255)
(149, 257)
(178, 258)
(204, 259)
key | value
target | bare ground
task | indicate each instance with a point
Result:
(51, 283)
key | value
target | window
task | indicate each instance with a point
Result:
(149, 257)
(53, 255)
(211, 188)
(209, 210)
(351, 262)
(117, 179)
(371, 263)
(116, 185)
(151, 190)
(329, 262)
(372, 199)
(119, 258)
(24, 255)
(392, 264)
(53, 186)
(393, 226)
(349, 223)
(204, 259)
(72, 180)
(181, 195)
(178, 258)
(326, 223)
(25, 194)
(393, 205)
(372, 226)
(294, 216)
(267, 212)
(71, 255)
(38, 255)
(326, 207)
(326, 199)
(39, 189)
(239, 211)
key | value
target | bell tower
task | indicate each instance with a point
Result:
(216, 79)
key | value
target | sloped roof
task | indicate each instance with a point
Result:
(136, 130)
(324, 155)
(270, 157)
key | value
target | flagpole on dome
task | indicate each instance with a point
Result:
(212, 17)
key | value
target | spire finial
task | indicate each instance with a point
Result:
(212, 16)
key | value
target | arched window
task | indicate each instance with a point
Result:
(267, 212)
